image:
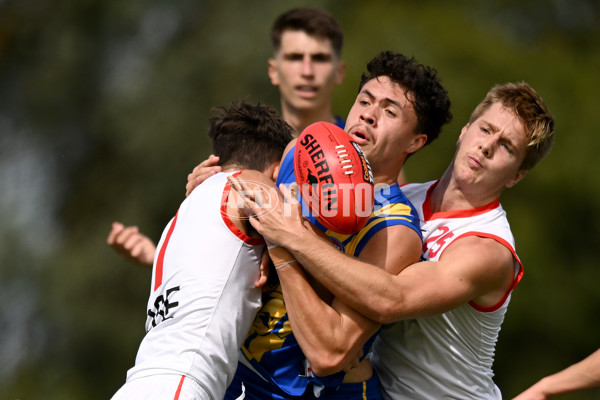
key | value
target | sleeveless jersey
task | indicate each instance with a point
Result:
(447, 356)
(203, 298)
(270, 347)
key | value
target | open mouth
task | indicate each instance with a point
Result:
(359, 137)
(307, 90)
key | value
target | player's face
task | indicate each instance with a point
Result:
(383, 121)
(306, 70)
(490, 151)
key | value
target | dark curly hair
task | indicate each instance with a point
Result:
(423, 89)
(248, 136)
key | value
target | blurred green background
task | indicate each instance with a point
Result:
(103, 113)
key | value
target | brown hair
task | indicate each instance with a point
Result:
(248, 136)
(313, 22)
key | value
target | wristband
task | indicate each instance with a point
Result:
(284, 264)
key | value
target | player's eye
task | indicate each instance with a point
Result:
(508, 147)
(321, 58)
(294, 57)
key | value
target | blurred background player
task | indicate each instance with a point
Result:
(306, 67)
(206, 277)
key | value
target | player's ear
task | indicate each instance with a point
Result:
(276, 172)
(273, 72)
(340, 73)
(272, 170)
(417, 142)
(463, 130)
(520, 174)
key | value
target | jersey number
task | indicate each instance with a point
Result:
(439, 239)
(162, 306)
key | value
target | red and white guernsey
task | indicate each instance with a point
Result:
(448, 356)
(203, 297)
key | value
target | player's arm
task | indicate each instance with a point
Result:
(471, 269)
(330, 336)
(579, 376)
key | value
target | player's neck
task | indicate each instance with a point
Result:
(450, 195)
(231, 168)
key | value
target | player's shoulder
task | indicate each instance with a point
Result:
(290, 146)
(479, 250)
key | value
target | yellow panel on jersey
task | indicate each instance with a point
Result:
(270, 327)
(389, 214)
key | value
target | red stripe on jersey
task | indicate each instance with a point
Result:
(471, 212)
(178, 392)
(232, 227)
(517, 275)
(158, 275)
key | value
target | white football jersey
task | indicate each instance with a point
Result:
(448, 356)
(202, 298)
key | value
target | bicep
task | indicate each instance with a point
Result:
(470, 269)
(393, 249)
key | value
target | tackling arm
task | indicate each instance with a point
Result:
(331, 335)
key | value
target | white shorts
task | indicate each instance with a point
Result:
(162, 387)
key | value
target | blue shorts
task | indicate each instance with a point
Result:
(256, 388)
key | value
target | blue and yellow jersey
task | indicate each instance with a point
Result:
(270, 346)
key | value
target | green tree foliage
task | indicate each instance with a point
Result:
(103, 113)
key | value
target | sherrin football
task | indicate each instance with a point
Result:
(335, 179)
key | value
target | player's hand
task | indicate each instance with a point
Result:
(132, 245)
(202, 172)
(279, 222)
(264, 271)
(354, 362)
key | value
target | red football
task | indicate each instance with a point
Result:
(335, 179)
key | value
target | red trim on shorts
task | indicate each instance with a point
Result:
(178, 392)
(158, 275)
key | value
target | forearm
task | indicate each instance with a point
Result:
(348, 278)
(580, 376)
(328, 339)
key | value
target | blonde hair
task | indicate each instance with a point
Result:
(531, 110)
